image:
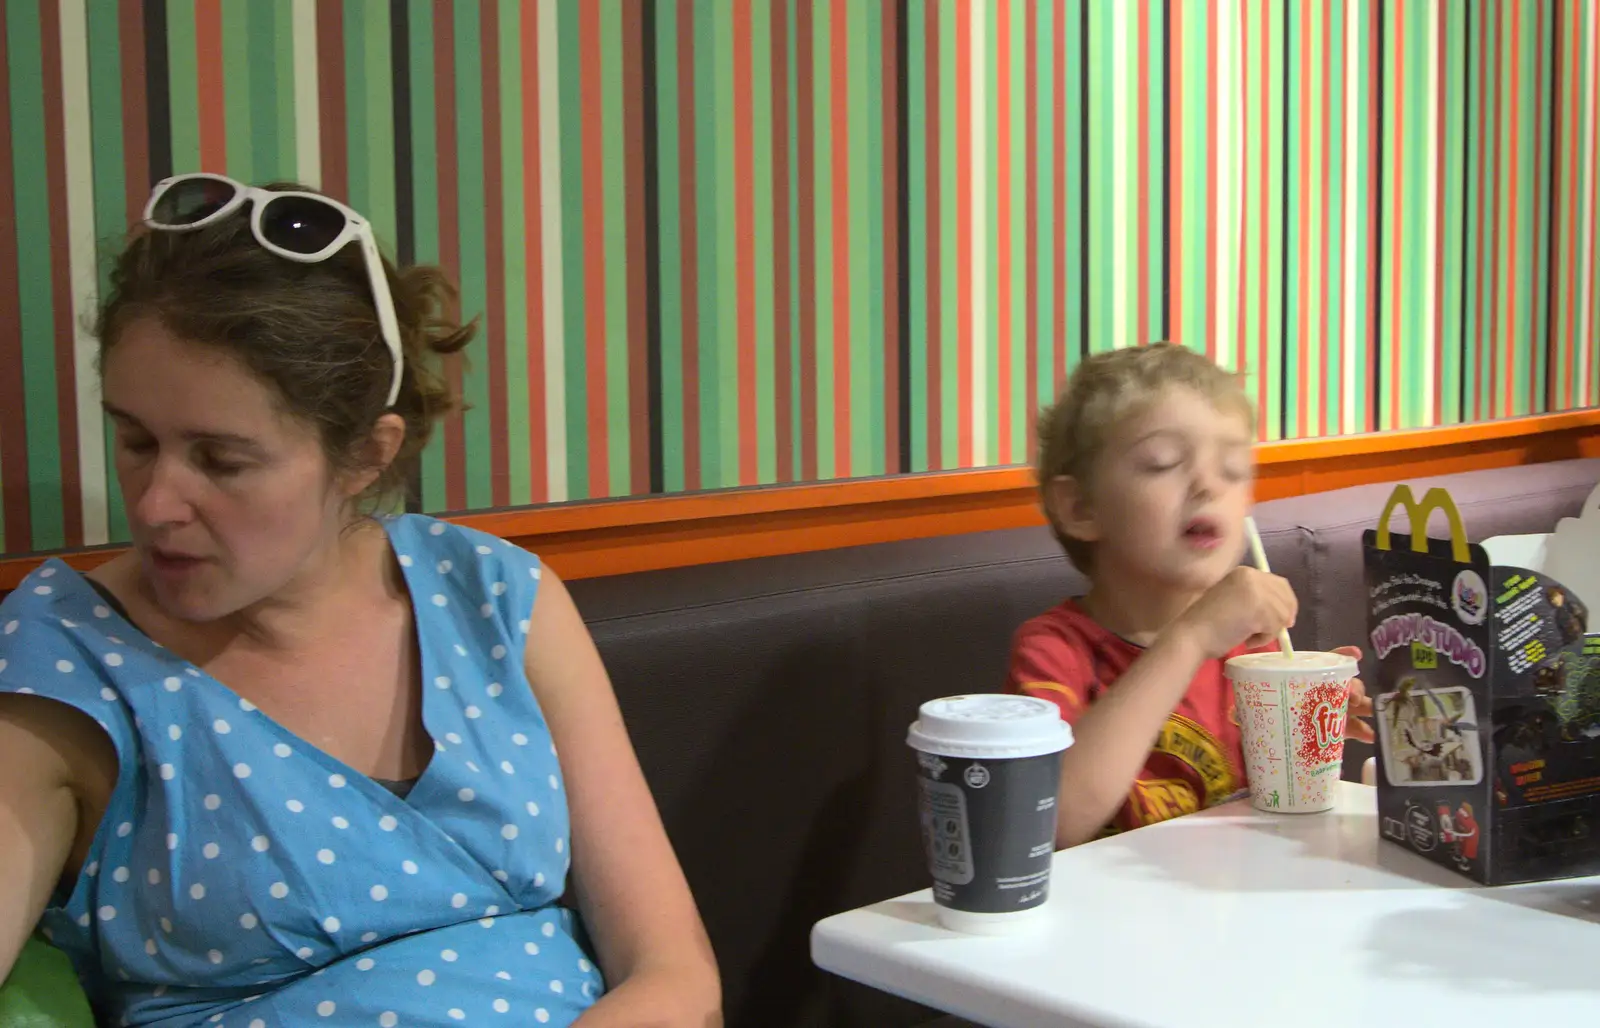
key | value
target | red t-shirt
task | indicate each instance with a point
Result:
(1066, 657)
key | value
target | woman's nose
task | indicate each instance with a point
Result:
(163, 500)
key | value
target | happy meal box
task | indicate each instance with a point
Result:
(1487, 698)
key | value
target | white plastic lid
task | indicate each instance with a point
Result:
(989, 725)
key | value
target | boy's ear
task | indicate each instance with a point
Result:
(1070, 509)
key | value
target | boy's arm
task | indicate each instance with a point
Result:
(1113, 736)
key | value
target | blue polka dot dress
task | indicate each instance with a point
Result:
(243, 877)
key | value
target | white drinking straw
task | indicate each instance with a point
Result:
(1260, 556)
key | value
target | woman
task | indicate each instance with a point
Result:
(286, 762)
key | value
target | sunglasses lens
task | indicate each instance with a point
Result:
(191, 200)
(301, 224)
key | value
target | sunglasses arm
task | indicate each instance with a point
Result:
(385, 304)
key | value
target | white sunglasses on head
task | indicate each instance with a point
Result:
(304, 227)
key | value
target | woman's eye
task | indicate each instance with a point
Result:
(221, 468)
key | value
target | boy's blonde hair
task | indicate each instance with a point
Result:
(1105, 389)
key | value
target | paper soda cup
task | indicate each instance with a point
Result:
(1292, 711)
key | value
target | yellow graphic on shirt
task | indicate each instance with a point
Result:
(1189, 742)
(1160, 799)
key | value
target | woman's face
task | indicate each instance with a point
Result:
(229, 498)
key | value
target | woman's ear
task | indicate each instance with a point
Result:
(378, 452)
(1068, 508)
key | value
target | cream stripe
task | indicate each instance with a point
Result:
(555, 374)
(1586, 337)
(1347, 282)
(1429, 280)
(81, 258)
(307, 117)
(1227, 253)
(1122, 214)
(980, 235)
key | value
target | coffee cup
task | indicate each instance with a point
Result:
(1292, 709)
(989, 770)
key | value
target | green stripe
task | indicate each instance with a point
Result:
(1337, 198)
(762, 168)
(1018, 386)
(707, 191)
(1453, 111)
(1156, 173)
(471, 229)
(915, 182)
(1250, 187)
(183, 90)
(795, 214)
(356, 78)
(876, 284)
(1073, 253)
(35, 311)
(573, 285)
(1291, 343)
(857, 402)
(286, 151)
(111, 217)
(238, 73)
(1101, 161)
(425, 203)
(513, 206)
(1419, 151)
(1044, 241)
(726, 370)
(614, 160)
(1196, 176)
(1528, 90)
(1312, 357)
(1472, 225)
(822, 160)
(671, 241)
(261, 55)
(1277, 242)
(949, 429)
(379, 206)
(987, 257)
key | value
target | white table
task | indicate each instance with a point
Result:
(1234, 919)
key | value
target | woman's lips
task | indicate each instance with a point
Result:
(171, 563)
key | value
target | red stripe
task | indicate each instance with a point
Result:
(1512, 192)
(1212, 342)
(1142, 177)
(1322, 307)
(744, 208)
(1594, 237)
(533, 235)
(1575, 128)
(688, 228)
(1175, 175)
(805, 105)
(1374, 245)
(838, 53)
(1439, 254)
(1030, 135)
(135, 119)
(13, 415)
(1059, 336)
(495, 261)
(934, 290)
(964, 199)
(1396, 222)
(633, 100)
(1344, 222)
(210, 92)
(1243, 351)
(594, 253)
(1002, 388)
(55, 160)
(1303, 214)
(1478, 291)
(1489, 353)
(782, 309)
(891, 241)
(444, 85)
(331, 100)
(1263, 221)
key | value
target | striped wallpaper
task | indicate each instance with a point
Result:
(732, 242)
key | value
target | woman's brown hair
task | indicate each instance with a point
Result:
(310, 331)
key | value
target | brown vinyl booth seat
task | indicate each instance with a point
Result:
(768, 700)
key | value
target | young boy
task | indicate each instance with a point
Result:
(1145, 470)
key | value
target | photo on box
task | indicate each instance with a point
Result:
(1429, 735)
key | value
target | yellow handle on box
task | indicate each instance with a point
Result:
(1435, 499)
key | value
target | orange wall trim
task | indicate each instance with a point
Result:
(586, 540)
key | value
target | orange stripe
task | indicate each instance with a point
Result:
(1002, 99)
(963, 369)
(533, 236)
(594, 256)
(1303, 305)
(1175, 176)
(744, 239)
(209, 86)
(1511, 205)
(839, 43)
(1396, 234)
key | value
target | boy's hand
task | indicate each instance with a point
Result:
(1248, 608)
(1360, 704)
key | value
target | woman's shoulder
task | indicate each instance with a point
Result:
(453, 564)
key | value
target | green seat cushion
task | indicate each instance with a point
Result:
(43, 991)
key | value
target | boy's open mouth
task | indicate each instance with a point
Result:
(1203, 533)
